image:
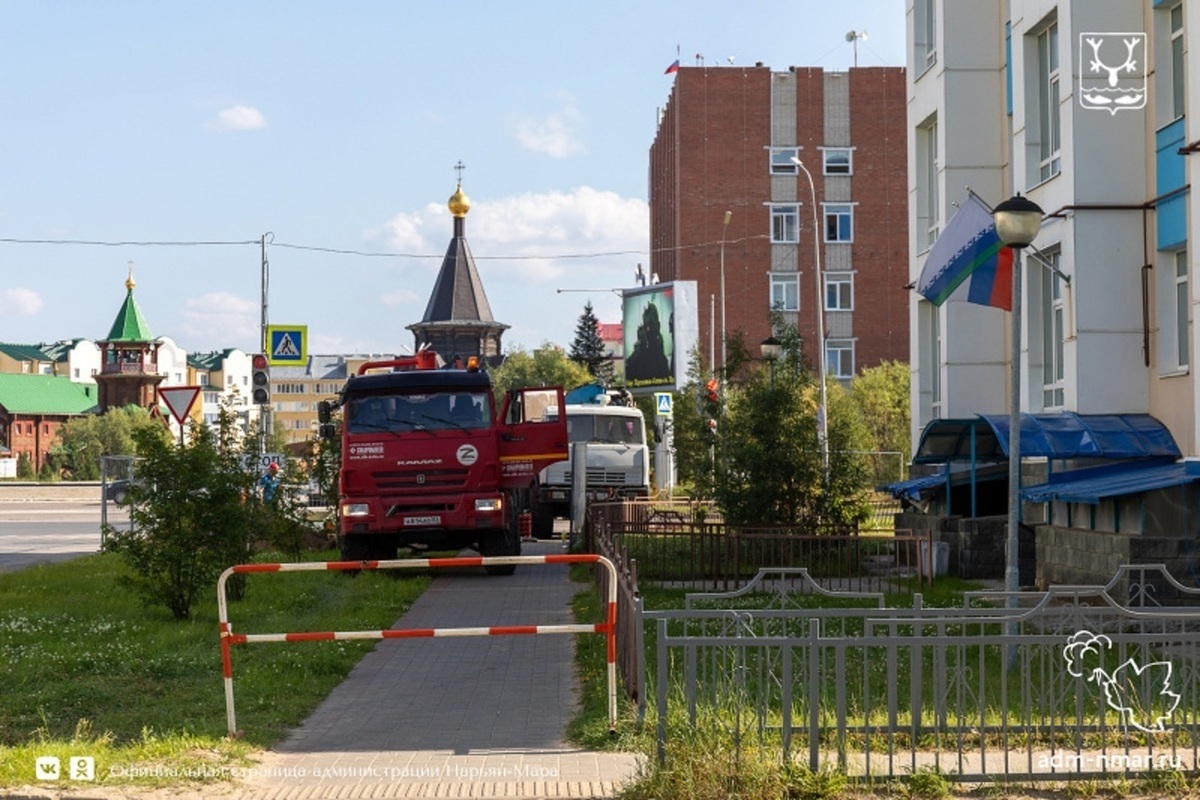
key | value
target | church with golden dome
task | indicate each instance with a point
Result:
(458, 321)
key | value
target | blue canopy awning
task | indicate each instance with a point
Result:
(1070, 435)
(1065, 435)
(1092, 485)
(912, 489)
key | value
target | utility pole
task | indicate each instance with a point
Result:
(264, 412)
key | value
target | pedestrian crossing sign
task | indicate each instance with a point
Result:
(287, 345)
(662, 401)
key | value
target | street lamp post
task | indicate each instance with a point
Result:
(771, 348)
(819, 298)
(1017, 222)
(724, 228)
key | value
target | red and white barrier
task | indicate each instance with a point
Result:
(608, 627)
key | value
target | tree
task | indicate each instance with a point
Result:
(195, 512)
(769, 464)
(587, 349)
(693, 441)
(547, 366)
(83, 441)
(881, 395)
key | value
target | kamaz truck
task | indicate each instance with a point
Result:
(429, 462)
(618, 458)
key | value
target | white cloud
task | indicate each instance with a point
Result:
(22, 302)
(554, 134)
(241, 118)
(221, 317)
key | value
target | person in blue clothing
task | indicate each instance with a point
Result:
(268, 484)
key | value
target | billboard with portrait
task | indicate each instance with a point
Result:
(661, 327)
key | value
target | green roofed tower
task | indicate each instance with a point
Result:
(128, 359)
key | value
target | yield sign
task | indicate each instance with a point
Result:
(179, 399)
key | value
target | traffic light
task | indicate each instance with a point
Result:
(260, 380)
(712, 391)
(712, 427)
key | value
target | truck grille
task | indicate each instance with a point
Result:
(603, 477)
(412, 481)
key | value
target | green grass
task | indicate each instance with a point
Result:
(91, 671)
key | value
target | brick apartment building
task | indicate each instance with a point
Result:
(725, 143)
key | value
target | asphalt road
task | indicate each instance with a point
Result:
(42, 532)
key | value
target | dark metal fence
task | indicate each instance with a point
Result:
(688, 544)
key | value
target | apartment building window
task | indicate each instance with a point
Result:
(781, 160)
(785, 227)
(1178, 76)
(1048, 91)
(924, 35)
(203, 377)
(1053, 335)
(927, 183)
(838, 160)
(839, 291)
(1174, 305)
(839, 222)
(839, 358)
(785, 291)
(1182, 302)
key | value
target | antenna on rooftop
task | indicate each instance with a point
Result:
(854, 36)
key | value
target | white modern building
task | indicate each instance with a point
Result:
(1080, 105)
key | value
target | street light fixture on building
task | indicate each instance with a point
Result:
(1018, 220)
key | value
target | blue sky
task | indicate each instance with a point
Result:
(336, 126)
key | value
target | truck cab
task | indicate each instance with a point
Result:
(429, 462)
(618, 458)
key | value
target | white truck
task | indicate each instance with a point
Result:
(618, 458)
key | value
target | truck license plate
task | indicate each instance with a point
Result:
(433, 520)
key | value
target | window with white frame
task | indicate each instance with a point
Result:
(1182, 303)
(1053, 334)
(839, 291)
(785, 224)
(781, 160)
(1048, 93)
(839, 222)
(924, 35)
(1178, 77)
(927, 183)
(839, 358)
(838, 160)
(1174, 307)
(785, 291)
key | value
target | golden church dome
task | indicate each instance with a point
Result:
(459, 203)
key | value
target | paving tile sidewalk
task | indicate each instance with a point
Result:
(457, 716)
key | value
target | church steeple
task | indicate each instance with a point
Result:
(458, 320)
(129, 358)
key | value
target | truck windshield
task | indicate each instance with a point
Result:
(604, 429)
(400, 413)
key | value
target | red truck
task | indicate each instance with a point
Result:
(428, 463)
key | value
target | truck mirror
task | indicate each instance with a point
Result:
(324, 413)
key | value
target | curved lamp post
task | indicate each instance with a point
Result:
(1018, 220)
(819, 297)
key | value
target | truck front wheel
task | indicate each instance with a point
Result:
(500, 542)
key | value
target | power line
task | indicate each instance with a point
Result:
(365, 253)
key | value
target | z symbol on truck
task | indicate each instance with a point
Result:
(467, 455)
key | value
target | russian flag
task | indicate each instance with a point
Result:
(673, 68)
(967, 262)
